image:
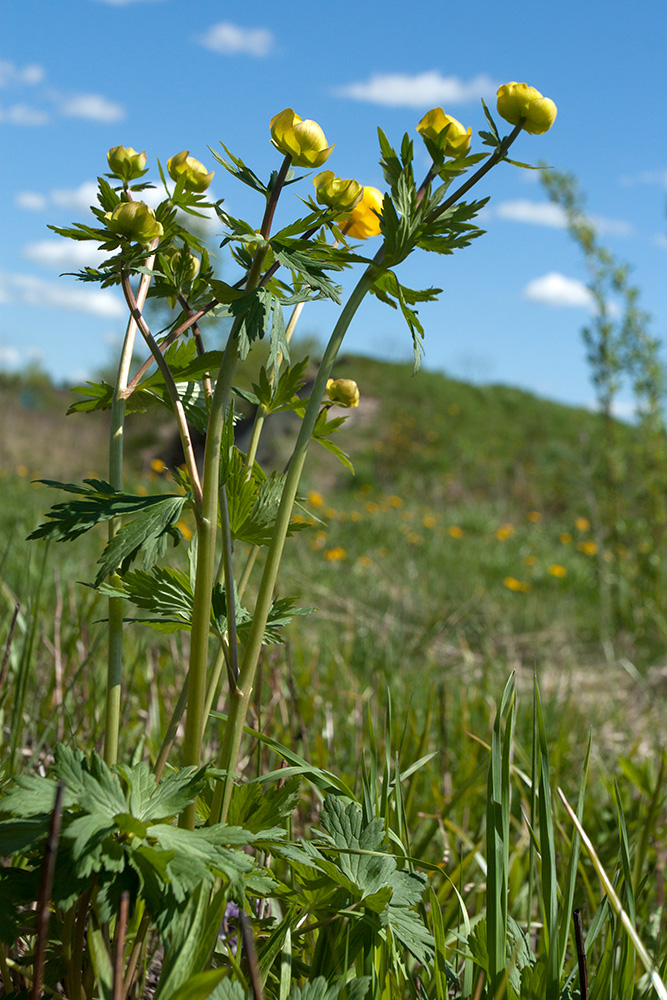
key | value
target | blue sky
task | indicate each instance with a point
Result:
(79, 76)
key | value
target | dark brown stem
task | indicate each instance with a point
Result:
(46, 884)
(497, 155)
(581, 954)
(199, 345)
(179, 412)
(168, 341)
(251, 955)
(119, 946)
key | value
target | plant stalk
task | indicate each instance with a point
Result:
(116, 440)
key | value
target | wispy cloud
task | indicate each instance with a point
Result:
(558, 291)
(423, 89)
(12, 75)
(62, 253)
(25, 289)
(646, 177)
(94, 107)
(546, 213)
(230, 40)
(23, 114)
(45, 102)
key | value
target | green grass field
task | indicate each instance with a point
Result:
(467, 546)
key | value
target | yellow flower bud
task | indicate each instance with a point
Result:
(192, 263)
(194, 172)
(303, 140)
(363, 221)
(334, 192)
(134, 220)
(126, 163)
(517, 102)
(343, 392)
(454, 141)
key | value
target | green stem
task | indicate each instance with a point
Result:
(240, 698)
(116, 434)
(208, 522)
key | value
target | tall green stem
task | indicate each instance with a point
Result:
(208, 521)
(116, 435)
(240, 698)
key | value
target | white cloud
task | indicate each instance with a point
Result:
(30, 201)
(558, 291)
(63, 253)
(23, 114)
(76, 199)
(25, 289)
(91, 106)
(647, 177)
(229, 39)
(11, 74)
(9, 356)
(547, 213)
(430, 88)
(537, 213)
(661, 241)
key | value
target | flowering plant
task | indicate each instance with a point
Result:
(118, 818)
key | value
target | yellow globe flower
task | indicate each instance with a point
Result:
(364, 219)
(134, 220)
(454, 141)
(517, 102)
(126, 163)
(343, 392)
(194, 172)
(301, 139)
(336, 193)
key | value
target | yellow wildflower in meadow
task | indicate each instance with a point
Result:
(336, 554)
(315, 499)
(557, 570)
(588, 548)
(191, 172)
(565, 538)
(504, 532)
(582, 524)
(517, 586)
(455, 531)
(534, 516)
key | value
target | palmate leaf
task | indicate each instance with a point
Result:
(148, 532)
(168, 595)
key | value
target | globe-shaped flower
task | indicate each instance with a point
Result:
(363, 221)
(517, 102)
(196, 179)
(446, 132)
(134, 220)
(126, 163)
(335, 192)
(343, 392)
(301, 139)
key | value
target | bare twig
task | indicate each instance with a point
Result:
(581, 955)
(251, 955)
(46, 884)
(179, 412)
(119, 946)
